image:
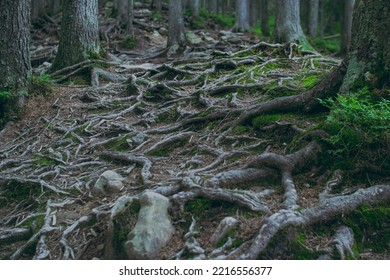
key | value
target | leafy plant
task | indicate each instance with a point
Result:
(129, 42)
(41, 84)
(357, 122)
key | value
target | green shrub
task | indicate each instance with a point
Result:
(358, 122)
(129, 42)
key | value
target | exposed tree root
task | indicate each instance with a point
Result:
(330, 208)
(209, 131)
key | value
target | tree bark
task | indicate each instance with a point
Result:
(15, 67)
(125, 15)
(38, 9)
(254, 12)
(159, 6)
(313, 17)
(345, 41)
(287, 23)
(195, 8)
(54, 6)
(79, 39)
(242, 16)
(176, 34)
(264, 18)
(369, 57)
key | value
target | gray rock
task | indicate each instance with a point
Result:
(108, 182)
(153, 229)
(226, 225)
(193, 39)
(156, 39)
(163, 31)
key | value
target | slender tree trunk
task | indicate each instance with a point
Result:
(130, 18)
(159, 6)
(54, 6)
(369, 57)
(38, 9)
(264, 18)
(176, 34)
(79, 36)
(215, 6)
(195, 8)
(15, 66)
(287, 24)
(242, 16)
(125, 15)
(254, 9)
(313, 17)
(345, 41)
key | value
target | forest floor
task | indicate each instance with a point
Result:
(180, 127)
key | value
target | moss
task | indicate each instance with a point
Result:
(37, 221)
(42, 160)
(232, 234)
(300, 248)
(240, 129)
(15, 191)
(207, 112)
(198, 206)
(310, 81)
(41, 84)
(371, 227)
(119, 145)
(100, 53)
(263, 120)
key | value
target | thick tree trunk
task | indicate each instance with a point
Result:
(15, 66)
(242, 16)
(79, 39)
(345, 41)
(264, 18)
(369, 57)
(313, 17)
(287, 24)
(176, 34)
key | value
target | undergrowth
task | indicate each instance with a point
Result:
(357, 124)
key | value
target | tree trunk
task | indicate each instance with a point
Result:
(176, 34)
(264, 18)
(287, 23)
(254, 12)
(195, 8)
(242, 16)
(15, 66)
(369, 57)
(313, 17)
(79, 37)
(130, 18)
(54, 6)
(159, 6)
(125, 15)
(38, 9)
(345, 41)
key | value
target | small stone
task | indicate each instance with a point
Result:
(153, 229)
(108, 182)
